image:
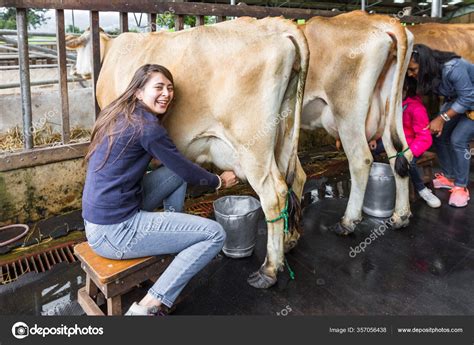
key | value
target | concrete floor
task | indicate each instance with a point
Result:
(424, 269)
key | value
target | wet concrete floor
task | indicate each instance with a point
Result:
(424, 269)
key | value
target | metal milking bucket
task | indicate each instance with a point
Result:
(239, 217)
(379, 200)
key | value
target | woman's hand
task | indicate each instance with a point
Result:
(436, 126)
(228, 179)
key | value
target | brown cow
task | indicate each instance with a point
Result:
(239, 87)
(354, 90)
(458, 38)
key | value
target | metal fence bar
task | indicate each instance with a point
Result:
(41, 34)
(62, 70)
(123, 21)
(39, 49)
(39, 82)
(95, 36)
(25, 88)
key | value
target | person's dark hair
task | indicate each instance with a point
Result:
(123, 109)
(431, 65)
(410, 85)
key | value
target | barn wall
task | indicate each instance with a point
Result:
(30, 194)
(46, 109)
(465, 19)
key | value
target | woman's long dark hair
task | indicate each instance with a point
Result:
(123, 108)
(410, 85)
(431, 65)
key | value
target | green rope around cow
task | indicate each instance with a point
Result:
(285, 216)
(399, 154)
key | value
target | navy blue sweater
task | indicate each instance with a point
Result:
(113, 193)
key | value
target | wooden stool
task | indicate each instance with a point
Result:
(113, 278)
(426, 162)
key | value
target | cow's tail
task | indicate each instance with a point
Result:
(403, 52)
(301, 66)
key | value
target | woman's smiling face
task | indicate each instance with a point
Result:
(157, 93)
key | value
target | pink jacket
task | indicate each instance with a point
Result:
(415, 119)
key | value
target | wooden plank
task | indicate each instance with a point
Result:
(25, 87)
(199, 20)
(123, 21)
(64, 97)
(107, 270)
(179, 22)
(94, 25)
(129, 280)
(152, 21)
(40, 156)
(187, 8)
(114, 306)
(91, 289)
(88, 304)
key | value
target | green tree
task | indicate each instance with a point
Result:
(35, 18)
(166, 20)
(73, 29)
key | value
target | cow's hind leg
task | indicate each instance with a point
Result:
(272, 190)
(360, 159)
(394, 145)
(291, 238)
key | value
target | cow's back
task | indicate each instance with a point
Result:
(458, 38)
(239, 48)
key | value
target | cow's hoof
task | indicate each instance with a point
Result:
(260, 280)
(342, 230)
(289, 245)
(400, 222)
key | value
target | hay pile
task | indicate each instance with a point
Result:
(12, 140)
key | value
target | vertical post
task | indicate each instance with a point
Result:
(123, 21)
(362, 5)
(220, 19)
(152, 21)
(96, 58)
(199, 20)
(62, 71)
(179, 22)
(436, 8)
(25, 88)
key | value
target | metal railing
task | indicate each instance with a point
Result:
(31, 156)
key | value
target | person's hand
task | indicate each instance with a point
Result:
(373, 144)
(436, 126)
(229, 179)
(338, 144)
(154, 164)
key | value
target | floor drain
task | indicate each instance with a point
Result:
(204, 209)
(38, 262)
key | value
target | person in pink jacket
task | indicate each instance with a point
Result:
(415, 120)
(419, 139)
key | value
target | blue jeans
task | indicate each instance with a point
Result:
(452, 147)
(415, 175)
(197, 240)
